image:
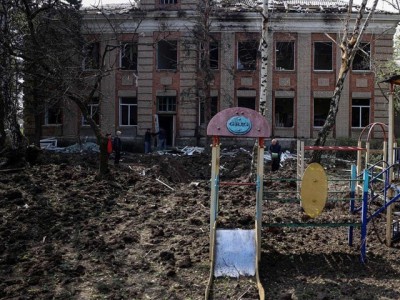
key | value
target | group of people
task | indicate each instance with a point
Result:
(114, 145)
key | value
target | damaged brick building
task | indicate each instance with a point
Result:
(155, 69)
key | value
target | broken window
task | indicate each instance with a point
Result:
(321, 110)
(362, 60)
(247, 55)
(284, 112)
(129, 56)
(214, 109)
(284, 56)
(53, 114)
(168, 1)
(128, 111)
(93, 110)
(360, 109)
(323, 56)
(166, 104)
(248, 102)
(167, 55)
(91, 55)
(214, 55)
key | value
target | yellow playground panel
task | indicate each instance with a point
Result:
(314, 190)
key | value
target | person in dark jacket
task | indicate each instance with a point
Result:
(275, 151)
(147, 141)
(117, 146)
(162, 139)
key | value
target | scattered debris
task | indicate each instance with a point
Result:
(234, 152)
(48, 143)
(164, 184)
(285, 156)
(191, 150)
(51, 145)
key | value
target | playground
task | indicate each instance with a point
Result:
(199, 227)
(132, 237)
(237, 252)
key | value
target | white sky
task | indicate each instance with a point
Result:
(381, 5)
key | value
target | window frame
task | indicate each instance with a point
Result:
(92, 51)
(241, 99)
(133, 63)
(174, 62)
(214, 109)
(171, 104)
(322, 55)
(314, 119)
(244, 64)
(59, 116)
(130, 106)
(360, 113)
(214, 51)
(95, 104)
(293, 56)
(360, 55)
(168, 2)
(275, 111)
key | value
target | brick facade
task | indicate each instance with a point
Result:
(175, 22)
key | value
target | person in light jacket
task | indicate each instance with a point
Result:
(117, 146)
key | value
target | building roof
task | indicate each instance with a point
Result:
(301, 6)
(309, 5)
(118, 8)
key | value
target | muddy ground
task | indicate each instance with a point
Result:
(143, 232)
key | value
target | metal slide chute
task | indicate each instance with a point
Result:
(236, 252)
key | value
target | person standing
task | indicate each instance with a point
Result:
(117, 145)
(162, 139)
(275, 151)
(147, 141)
(109, 145)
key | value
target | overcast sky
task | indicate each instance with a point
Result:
(381, 4)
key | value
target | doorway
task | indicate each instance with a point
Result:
(168, 123)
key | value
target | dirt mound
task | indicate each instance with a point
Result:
(143, 233)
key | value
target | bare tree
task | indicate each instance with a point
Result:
(12, 141)
(394, 4)
(264, 59)
(205, 41)
(72, 64)
(349, 47)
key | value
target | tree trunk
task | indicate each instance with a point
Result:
(2, 124)
(331, 118)
(348, 46)
(263, 80)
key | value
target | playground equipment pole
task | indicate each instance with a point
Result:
(364, 218)
(215, 153)
(389, 213)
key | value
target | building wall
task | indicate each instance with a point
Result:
(175, 22)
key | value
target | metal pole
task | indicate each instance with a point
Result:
(359, 166)
(259, 195)
(214, 188)
(352, 195)
(364, 219)
(389, 213)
